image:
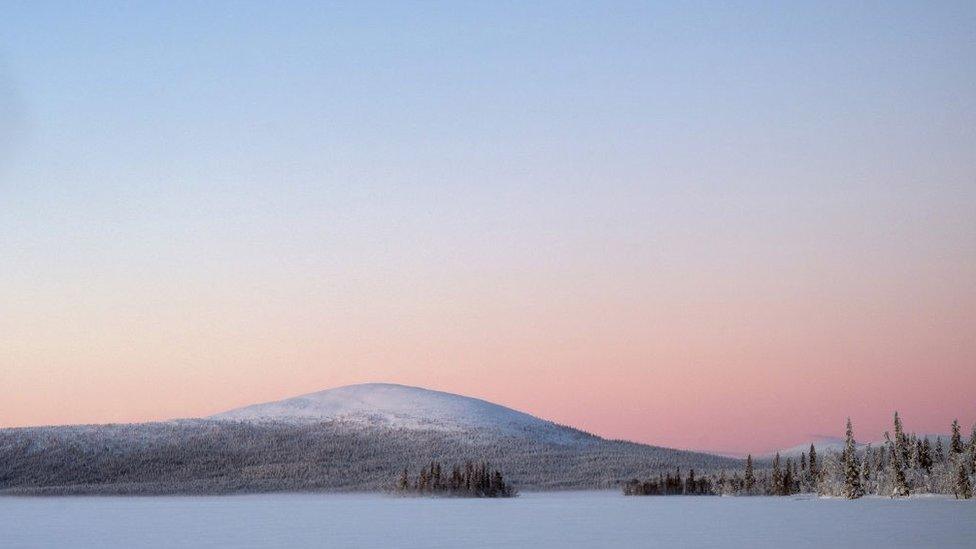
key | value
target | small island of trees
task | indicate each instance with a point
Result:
(474, 480)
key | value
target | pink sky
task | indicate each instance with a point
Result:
(724, 232)
(723, 359)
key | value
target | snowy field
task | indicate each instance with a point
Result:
(572, 519)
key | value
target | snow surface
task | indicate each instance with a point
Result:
(543, 520)
(397, 406)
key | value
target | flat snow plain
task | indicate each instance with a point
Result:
(562, 519)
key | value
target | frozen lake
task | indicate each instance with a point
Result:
(571, 519)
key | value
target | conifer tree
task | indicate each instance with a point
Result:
(901, 442)
(404, 483)
(866, 464)
(963, 488)
(865, 472)
(788, 478)
(925, 456)
(972, 450)
(750, 477)
(939, 456)
(852, 469)
(897, 475)
(436, 475)
(813, 462)
(955, 443)
(777, 477)
(916, 454)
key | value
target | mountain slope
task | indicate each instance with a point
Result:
(351, 438)
(401, 407)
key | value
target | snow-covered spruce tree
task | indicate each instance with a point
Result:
(777, 488)
(939, 457)
(972, 450)
(955, 443)
(788, 478)
(881, 460)
(750, 476)
(925, 456)
(831, 477)
(852, 469)
(866, 467)
(901, 441)
(812, 471)
(916, 462)
(403, 484)
(964, 489)
(896, 475)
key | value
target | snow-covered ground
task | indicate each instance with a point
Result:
(569, 519)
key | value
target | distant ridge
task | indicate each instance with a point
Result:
(828, 443)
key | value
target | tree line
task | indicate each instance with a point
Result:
(905, 464)
(211, 457)
(671, 485)
(476, 480)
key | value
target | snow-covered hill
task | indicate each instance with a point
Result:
(401, 407)
(358, 437)
(825, 444)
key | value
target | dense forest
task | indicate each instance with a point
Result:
(208, 457)
(475, 480)
(905, 464)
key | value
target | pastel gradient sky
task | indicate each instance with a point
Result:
(698, 225)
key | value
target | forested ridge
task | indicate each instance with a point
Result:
(204, 456)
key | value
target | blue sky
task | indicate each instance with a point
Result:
(382, 165)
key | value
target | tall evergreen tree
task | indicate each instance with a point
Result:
(436, 475)
(813, 462)
(939, 456)
(916, 462)
(901, 442)
(897, 474)
(955, 443)
(972, 450)
(404, 482)
(963, 488)
(750, 476)
(777, 477)
(852, 469)
(788, 476)
(865, 472)
(925, 456)
(866, 464)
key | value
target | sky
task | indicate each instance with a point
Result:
(701, 225)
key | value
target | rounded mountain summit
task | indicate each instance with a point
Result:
(401, 407)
